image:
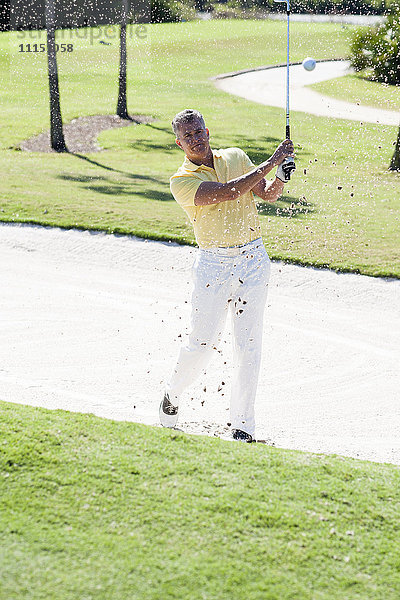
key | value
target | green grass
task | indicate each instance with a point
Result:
(340, 210)
(97, 509)
(360, 90)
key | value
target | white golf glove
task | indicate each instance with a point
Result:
(285, 169)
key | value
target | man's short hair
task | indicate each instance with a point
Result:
(186, 116)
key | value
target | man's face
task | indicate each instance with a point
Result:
(193, 138)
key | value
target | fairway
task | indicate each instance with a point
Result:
(340, 209)
(359, 90)
(120, 510)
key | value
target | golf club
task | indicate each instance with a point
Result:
(287, 67)
(288, 164)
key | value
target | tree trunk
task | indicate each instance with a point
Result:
(56, 126)
(122, 108)
(5, 16)
(395, 163)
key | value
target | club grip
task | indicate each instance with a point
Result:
(288, 132)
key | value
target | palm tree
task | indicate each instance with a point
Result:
(122, 108)
(56, 127)
(5, 16)
(395, 163)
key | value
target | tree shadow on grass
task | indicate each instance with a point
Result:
(81, 178)
(260, 150)
(125, 190)
(104, 186)
(153, 146)
(88, 178)
(112, 188)
(167, 130)
(169, 146)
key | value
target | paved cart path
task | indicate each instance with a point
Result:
(268, 86)
(92, 323)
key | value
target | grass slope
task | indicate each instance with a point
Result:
(96, 509)
(340, 210)
(360, 90)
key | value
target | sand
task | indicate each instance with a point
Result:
(93, 323)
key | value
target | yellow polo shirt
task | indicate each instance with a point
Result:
(229, 223)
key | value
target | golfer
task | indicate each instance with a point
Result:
(216, 189)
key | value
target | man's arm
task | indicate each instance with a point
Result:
(210, 192)
(269, 191)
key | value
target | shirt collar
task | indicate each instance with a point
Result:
(189, 166)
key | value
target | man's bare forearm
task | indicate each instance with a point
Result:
(211, 192)
(269, 191)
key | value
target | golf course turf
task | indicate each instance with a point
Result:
(340, 209)
(99, 509)
(358, 89)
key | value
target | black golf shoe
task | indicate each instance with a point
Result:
(168, 412)
(242, 436)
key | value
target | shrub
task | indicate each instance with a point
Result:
(364, 7)
(353, 7)
(378, 50)
(163, 11)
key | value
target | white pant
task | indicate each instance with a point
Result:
(235, 278)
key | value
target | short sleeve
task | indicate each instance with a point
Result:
(184, 189)
(247, 163)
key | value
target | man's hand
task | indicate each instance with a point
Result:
(285, 169)
(284, 150)
(283, 157)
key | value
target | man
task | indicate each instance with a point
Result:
(216, 189)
